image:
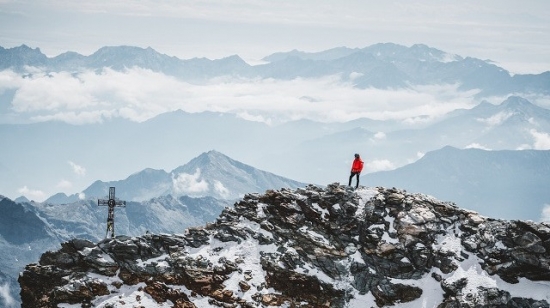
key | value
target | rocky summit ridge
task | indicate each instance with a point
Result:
(308, 247)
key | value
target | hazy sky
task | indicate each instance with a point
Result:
(514, 34)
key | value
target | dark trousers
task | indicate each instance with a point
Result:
(351, 178)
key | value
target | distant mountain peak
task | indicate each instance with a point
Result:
(25, 47)
(215, 153)
(215, 174)
(107, 49)
(511, 108)
(211, 157)
(21, 56)
(232, 58)
(523, 110)
(21, 199)
(212, 174)
(516, 102)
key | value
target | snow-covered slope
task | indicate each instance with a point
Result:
(309, 247)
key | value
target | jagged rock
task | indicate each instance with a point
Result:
(309, 247)
(388, 294)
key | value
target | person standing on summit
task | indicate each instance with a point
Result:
(356, 168)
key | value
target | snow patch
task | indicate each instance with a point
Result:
(476, 277)
(496, 119)
(159, 262)
(260, 210)
(362, 300)
(324, 212)
(365, 195)
(448, 243)
(316, 237)
(418, 215)
(432, 294)
(246, 254)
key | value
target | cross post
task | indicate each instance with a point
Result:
(112, 202)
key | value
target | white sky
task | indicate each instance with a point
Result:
(514, 34)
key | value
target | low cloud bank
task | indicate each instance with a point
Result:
(189, 184)
(545, 217)
(5, 296)
(139, 94)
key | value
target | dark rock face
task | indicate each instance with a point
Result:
(312, 247)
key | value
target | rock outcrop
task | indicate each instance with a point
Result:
(310, 247)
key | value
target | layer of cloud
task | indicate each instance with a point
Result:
(476, 145)
(77, 169)
(31, 193)
(379, 165)
(189, 184)
(496, 119)
(220, 189)
(356, 14)
(64, 184)
(139, 94)
(542, 140)
(5, 295)
(545, 214)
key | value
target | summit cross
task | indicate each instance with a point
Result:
(112, 202)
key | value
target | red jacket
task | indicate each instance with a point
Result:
(357, 165)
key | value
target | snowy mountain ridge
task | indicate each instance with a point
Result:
(309, 247)
(385, 65)
(209, 174)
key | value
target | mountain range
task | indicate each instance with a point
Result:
(507, 184)
(210, 174)
(302, 150)
(384, 65)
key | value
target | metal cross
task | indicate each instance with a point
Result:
(111, 203)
